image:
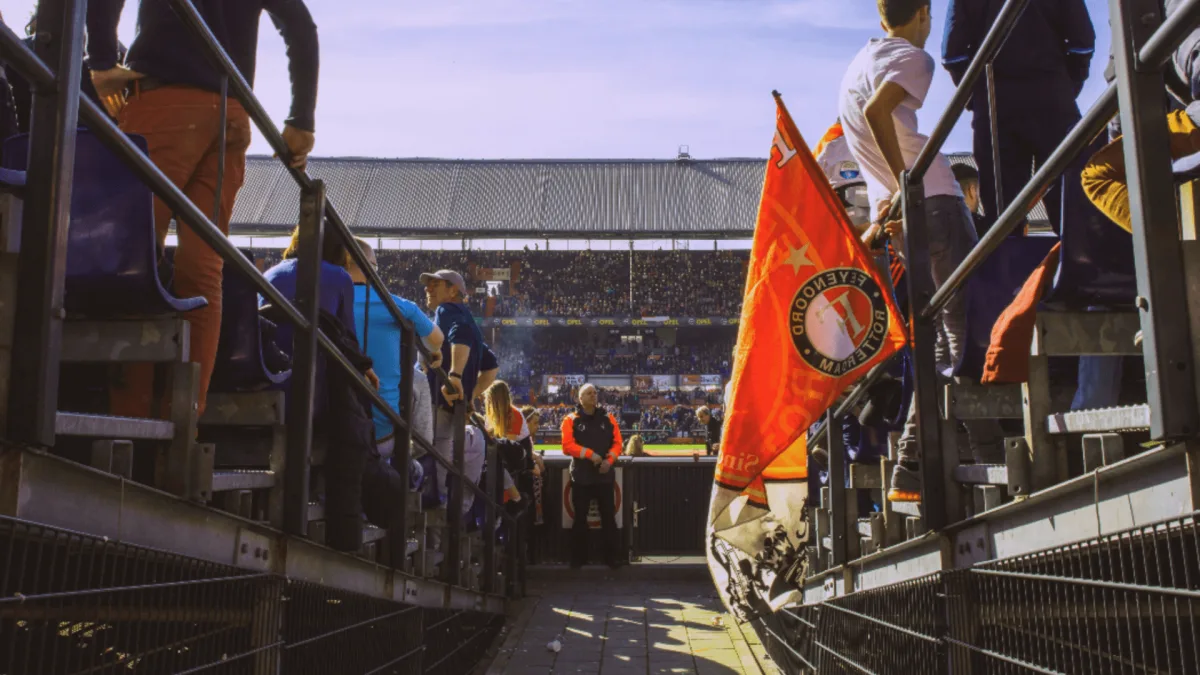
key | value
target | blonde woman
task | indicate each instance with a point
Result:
(505, 421)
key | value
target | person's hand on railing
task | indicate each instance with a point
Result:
(452, 390)
(299, 143)
(372, 378)
(434, 359)
(110, 86)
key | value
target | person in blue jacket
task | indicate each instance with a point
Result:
(1039, 72)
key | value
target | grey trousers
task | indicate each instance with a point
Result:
(951, 236)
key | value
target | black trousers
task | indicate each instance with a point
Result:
(1033, 117)
(581, 499)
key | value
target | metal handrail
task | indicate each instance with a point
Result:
(243, 92)
(254, 109)
(39, 74)
(1159, 48)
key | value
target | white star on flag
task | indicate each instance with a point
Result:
(798, 258)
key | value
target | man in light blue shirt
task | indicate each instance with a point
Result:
(380, 335)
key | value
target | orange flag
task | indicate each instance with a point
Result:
(817, 315)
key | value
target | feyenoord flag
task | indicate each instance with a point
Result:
(816, 317)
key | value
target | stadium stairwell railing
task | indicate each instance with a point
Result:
(34, 384)
(1142, 45)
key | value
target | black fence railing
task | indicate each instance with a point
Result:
(71, 603)
(33, 395)
(1127, 602)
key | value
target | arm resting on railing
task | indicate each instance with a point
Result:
(295, 24)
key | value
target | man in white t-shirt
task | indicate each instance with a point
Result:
(882, 90)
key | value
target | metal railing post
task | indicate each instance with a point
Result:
(924, 336)
(402, 443)
(837, 487)
(454, 509)
(1158, 262)
(304, 360)
(997, 180)
(489, 523)
(41, 270)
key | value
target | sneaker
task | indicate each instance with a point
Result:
(819, 459)
(906, 485)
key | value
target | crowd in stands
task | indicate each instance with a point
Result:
(578, 284)
(689, 283)
(555, 354)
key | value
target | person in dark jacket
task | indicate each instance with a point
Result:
(169, 93)
(1039, 73)
(592, 438)
(712, 443)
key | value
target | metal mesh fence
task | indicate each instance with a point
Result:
(1121, 603)
(76, 604)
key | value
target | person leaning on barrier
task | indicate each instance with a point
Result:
(462, 354)
(883, 87)
(635, 447)
(168, 93)
(380, 333)
(592, 438)
(712, 427)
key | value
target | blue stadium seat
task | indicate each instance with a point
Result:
(992, 288)
(1096, 266)
(241, 365)
(112, 256)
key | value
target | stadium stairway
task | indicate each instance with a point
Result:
(118, 503)
(1071, 473)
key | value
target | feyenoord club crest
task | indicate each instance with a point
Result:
(838, 320)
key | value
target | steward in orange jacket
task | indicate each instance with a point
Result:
(593, 440)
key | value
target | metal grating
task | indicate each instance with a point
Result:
(454, 639)
(72, 604)
(1126, 602)
(891, 629)
(1122, 603)
(331, 631)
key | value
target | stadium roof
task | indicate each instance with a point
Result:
(517, 198)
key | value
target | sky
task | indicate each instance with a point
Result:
(579, 79)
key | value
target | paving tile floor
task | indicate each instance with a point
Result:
(611, 626)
